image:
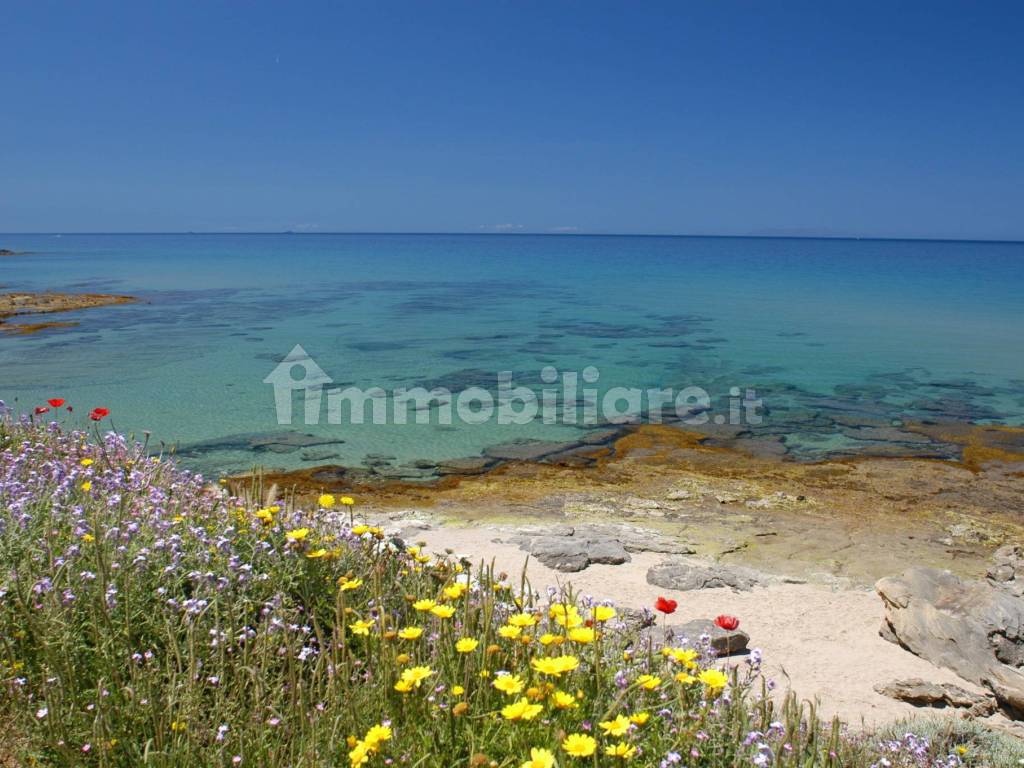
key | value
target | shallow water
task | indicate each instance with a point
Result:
(830, 333)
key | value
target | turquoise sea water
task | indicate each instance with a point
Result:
(832, 334)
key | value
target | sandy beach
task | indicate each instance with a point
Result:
(820, 640)
(818, 536)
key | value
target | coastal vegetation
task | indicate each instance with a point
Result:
(149, 617)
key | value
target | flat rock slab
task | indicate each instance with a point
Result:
(573, 548)
(685, 576)
(319, 455)
(572, 553)
(921, 693)
(527, 450)
(284, 442)
(968, 626)
(473, 465)
(635, 538)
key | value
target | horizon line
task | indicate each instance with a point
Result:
(995, 241)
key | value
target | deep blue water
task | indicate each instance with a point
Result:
(861, 331)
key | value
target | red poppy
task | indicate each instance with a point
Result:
(56, 402)
(98, 414)
(665, 605)
(727, 622)
(41, 409)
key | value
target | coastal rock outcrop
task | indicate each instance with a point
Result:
(1007, 571)
(921, 693)
(685, 575)
(968, 626)
(47, 302)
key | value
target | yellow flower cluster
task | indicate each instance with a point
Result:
(412, 677)
(512, 673)
(521, 710)
(370, 743)
(555, 666)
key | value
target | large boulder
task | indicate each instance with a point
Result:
(967, 626)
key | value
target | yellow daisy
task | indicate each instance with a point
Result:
(579, 745)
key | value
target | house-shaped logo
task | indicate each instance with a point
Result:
(298, 371)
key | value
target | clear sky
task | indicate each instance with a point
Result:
(804, 118)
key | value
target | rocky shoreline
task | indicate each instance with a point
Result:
(974, 627)
(967, 444)
(803, 552)
(917, 643)
(850, 518)
(22, 304)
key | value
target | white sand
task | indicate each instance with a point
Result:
(821, 642)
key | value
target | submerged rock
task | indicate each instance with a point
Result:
(967, 626)
(600, 436)
(473, 465)
(527, 450)
(319, 455)
(403, 472)
(580, 456)
(259, 442)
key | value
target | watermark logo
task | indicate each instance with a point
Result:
(566, 397)
(298, 372)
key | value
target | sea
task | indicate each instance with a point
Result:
(821, 347)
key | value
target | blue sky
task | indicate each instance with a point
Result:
(866, 119)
